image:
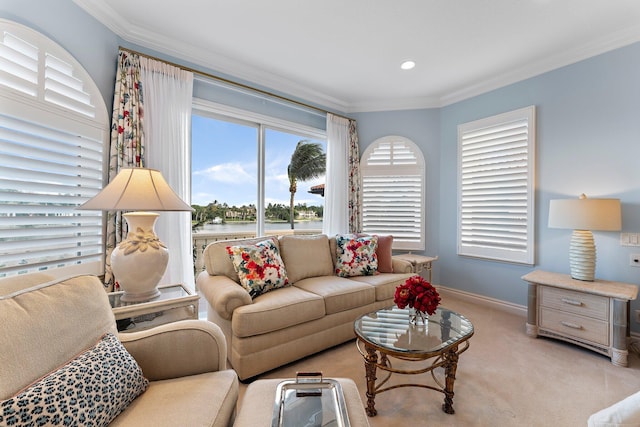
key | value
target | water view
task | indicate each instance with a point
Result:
(234, 227)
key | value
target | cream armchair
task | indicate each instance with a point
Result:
(174, 374)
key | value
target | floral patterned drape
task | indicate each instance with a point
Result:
(127, 143)
(355, 181)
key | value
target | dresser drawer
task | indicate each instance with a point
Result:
(567, 324)
(587, 305)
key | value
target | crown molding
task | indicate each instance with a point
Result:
(212, 61)
(242, 72)
(611, 42)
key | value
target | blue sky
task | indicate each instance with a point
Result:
(224, 165)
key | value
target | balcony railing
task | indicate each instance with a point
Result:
(202, 239)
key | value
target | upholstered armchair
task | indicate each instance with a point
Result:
(62, 357)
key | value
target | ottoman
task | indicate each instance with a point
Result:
(257, 404)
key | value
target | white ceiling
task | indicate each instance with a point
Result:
(346, 54)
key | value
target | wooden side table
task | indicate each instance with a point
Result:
(176, 302)
(594, 315)
(419, 263)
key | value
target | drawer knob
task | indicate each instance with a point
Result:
(570, 325)
(571, 302)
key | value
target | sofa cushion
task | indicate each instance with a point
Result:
(207, 399)
(216, 258)
(276, 310)
(356, 256)
(385, 284)
(259, 267)
(11, 284)
(306, 256)
(49, 316)
(91, 389)
(339, 293)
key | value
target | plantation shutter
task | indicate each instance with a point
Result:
(51, 157)
(393, 191)
(495, 187)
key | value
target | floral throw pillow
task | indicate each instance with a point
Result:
(90, 390)
(259, 267)
(356, 256)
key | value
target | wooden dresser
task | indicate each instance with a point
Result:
(594, 315)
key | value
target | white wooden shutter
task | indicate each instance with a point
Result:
(51, 157)
(393, 181)
(495, 187)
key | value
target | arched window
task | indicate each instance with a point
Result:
(53, 129)
(393, 183)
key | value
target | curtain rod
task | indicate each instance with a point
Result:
(233, 83)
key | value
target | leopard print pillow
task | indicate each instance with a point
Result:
(90, 390)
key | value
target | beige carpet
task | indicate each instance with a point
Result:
(505, 378)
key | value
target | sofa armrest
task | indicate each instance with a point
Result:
(623, 413)
(401, 266)
(223, 294)
(178, 349)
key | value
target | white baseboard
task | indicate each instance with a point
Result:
(517, 309)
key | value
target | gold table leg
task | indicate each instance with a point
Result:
(370, 363)
(450, 366)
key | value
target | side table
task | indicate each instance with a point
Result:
(419, 263)
(594, 315)
(176, 302)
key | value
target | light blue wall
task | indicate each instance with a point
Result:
(588, 141)
(588, 125)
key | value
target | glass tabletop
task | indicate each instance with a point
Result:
(390, 329)
(166, 292)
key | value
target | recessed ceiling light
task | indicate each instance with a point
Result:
(407, 65)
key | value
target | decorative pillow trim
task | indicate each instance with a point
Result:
(356, 256)
(90, 390)
(259, 267)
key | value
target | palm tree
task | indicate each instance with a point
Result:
(308, 161)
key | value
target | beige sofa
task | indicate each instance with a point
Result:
(65, 331)
(283, 325)
(625, 413)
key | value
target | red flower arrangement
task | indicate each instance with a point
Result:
(417, 293)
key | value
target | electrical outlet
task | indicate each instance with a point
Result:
(634, 260)
(637, 313)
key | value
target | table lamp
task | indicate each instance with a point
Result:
(139, 261)
(584, 215)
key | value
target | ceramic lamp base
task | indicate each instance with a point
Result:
(582, 255)
(139, 262)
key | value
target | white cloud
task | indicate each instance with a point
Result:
(228, 173)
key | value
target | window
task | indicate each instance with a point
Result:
(239, 172)
(393, 183)
(495, 187)
(53, 127)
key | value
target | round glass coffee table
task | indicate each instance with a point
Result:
(387, 333)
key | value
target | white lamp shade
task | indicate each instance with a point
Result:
(586, 214)
(135, 189)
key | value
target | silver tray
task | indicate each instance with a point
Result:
(309, 400)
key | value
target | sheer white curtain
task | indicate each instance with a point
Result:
(168, 92)
(336, 203)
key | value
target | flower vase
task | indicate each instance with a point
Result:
(417, 316)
